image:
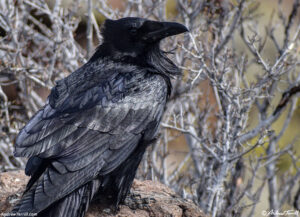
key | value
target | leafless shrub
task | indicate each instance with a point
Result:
(222, 91)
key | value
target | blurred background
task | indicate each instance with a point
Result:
(230, 136)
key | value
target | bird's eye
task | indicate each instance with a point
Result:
(133, 31)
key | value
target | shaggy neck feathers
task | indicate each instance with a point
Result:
(154, 59)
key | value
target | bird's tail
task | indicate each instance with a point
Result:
(73, 205)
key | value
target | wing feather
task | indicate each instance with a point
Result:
(88, 132)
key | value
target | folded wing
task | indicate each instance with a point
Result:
(87, 133)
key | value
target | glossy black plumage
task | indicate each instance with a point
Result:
(88, 140)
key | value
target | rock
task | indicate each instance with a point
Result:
(12, 185)
(147, 199)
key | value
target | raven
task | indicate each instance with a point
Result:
(87, 141)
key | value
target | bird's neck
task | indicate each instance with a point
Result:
(160, 62)
(153, 58)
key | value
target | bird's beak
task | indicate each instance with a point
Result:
(155, 31)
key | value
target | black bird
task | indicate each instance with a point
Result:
(89, 138)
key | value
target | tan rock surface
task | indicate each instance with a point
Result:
(147, 199)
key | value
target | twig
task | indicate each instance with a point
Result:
(286, 96)
(89, 30)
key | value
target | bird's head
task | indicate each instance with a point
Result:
(136, 41)
(133, 36)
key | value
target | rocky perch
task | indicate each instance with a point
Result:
(147, 199)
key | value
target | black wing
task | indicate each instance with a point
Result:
(84, 132)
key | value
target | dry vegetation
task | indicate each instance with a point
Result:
(224, 105)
